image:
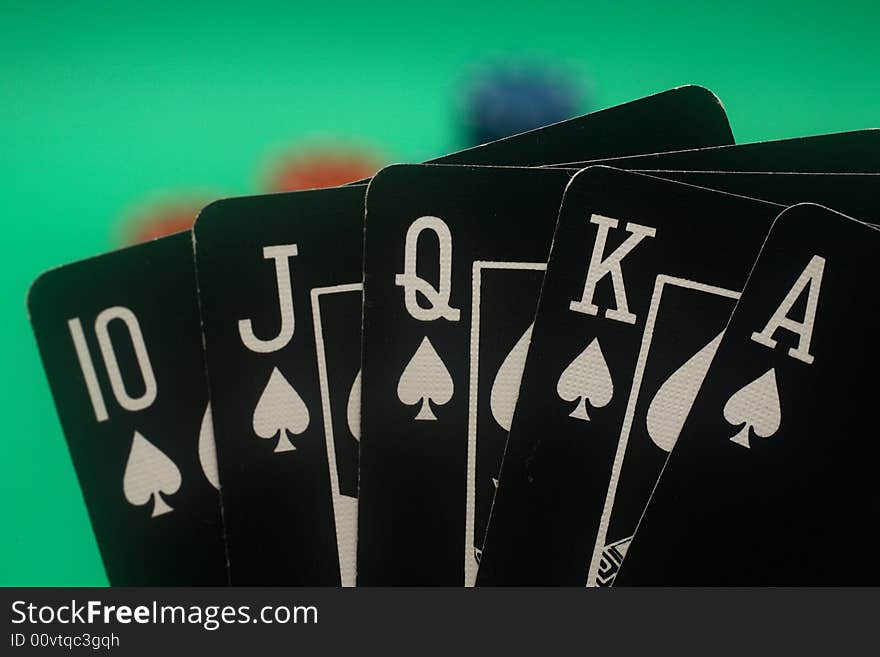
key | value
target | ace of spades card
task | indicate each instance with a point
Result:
(287, 400)
(773, 480)
(120, 342)
(453, 258)
(642, 277)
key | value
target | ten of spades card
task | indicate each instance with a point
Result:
(120, 341)
(773, 479)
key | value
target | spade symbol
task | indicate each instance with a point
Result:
(586, 378)
(425, 379)
(353, 410)
(148, 475)
(207, 449)
(756, 405)
(505, 389)
(675, 398)
(279, 411)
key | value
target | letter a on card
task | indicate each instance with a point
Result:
(810, 278)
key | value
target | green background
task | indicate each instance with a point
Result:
(103, 106)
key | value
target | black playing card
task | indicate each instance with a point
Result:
(275, 293)
(685, 117)
(629, 251)
(846, 152)
(120, 340)
(303, 498)
(852, 193)
(773, 480)
(783, 171)
(453, 260)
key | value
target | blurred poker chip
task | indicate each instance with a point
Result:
(318, 167)
(506, 99)
(161, 217)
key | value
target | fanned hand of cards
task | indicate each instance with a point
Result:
(548, 360)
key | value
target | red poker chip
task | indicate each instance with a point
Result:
(319, 168)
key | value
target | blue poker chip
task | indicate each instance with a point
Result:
(510, 100)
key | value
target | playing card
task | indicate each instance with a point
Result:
(686, 117)
(120, 341)
(640, 267)
(857, 151)
(775, 467)
(280, 291)
(852, 193)
(453, 260)
(280, 302)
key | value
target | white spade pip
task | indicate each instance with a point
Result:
(425, 379)
(279, 411)
(675, 398)
(208, 450)
(586, 378)
(505, 388)
(755, 406)
(149, 474)
(353, 410)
